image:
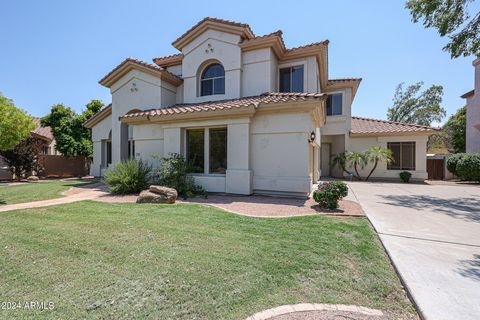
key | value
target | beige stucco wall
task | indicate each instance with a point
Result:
(364, 143)
(280, 153)
(212, 46)
(473, 114)
(259, 72)
(100, 132)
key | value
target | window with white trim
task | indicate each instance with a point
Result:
(206, 150)
(334, 104)
(291, 79)
(212, 80)
(403, 155)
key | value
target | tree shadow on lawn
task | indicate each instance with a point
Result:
(462, 208)
(471, 268)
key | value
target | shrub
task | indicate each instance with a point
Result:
(453, 161)
(405, 176)
(130, 176)
(329, 193)
(173, 173)
(468, 167)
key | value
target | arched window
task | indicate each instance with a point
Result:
(212, 80)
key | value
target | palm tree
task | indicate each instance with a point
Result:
(377, 154)
(356, 159)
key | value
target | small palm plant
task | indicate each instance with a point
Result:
(357, 159)
(377, 154)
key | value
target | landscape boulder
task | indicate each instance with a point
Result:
(32, 179)
(157, 194)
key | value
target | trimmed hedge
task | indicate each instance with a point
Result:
(465, 166)
(329, 193)
(453, 161)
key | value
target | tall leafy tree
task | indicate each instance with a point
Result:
(412, 106)
(451, 18)
(455, 130)
(15, 124)
(72, 138)
(24, 158)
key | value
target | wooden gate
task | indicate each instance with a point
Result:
(435, 169)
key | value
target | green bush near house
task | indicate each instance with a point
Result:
(130, 176)
(405, 176)
(468, 167)
(453, 161)
(329, 193)
(173, 173)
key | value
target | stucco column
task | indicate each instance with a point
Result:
(239, 177)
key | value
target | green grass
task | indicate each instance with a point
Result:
(126, 261)
(43, 190)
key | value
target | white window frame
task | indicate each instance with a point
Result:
(206, 150)
(413, 158)
(343, 104)
(213, 81)
(296, 63)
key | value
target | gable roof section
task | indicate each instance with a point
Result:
(373, 127)
(135, 64)
(99, 116)
(168, 61)
(241, 29)
(213, 108)
(352, 83)
(44, 133)
(468, 94)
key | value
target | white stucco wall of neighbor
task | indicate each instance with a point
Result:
(364, 143)
(473, 114)
(100, 132)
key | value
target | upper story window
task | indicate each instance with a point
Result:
(212, 80)
(291, 79)
(334, 104)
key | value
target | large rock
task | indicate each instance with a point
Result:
(170, 193)
(32, 179)
(157, 194)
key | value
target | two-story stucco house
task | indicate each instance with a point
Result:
(252, 115)
(473, 113)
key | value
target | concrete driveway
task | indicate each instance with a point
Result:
(432, 233)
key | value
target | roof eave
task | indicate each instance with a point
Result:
(99, 116)
(128, 65)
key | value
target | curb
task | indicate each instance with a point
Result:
(302, 307)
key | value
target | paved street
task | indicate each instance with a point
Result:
(432, 233)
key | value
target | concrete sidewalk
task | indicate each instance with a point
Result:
(73, 195)
(432, 234)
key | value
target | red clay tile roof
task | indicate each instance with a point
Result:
(45, 132)
(273, 97)
(367, 126)
(133, 61)
(216, 20)
(344, 80)
(169, 60)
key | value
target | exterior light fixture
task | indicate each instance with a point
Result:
(312, 137)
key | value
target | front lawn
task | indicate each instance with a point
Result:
(43, 190)
(124, 261)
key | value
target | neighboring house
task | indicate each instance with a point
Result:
(473, 113)
(252, 115)
(42, 133)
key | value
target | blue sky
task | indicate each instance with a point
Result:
(56, 51)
